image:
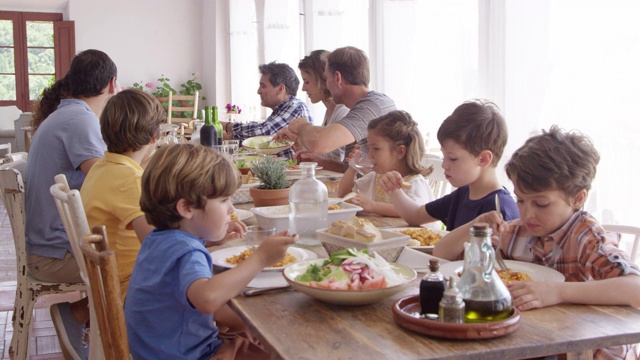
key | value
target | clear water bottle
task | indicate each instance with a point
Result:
(308, 202)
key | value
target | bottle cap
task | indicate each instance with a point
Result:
(480, 229)
(434, 265)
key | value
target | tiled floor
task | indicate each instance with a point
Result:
(43, 343)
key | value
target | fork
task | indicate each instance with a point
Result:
(499, 259)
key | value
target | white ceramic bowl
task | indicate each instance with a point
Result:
(254, 144)
(346, 297)
(278, 216)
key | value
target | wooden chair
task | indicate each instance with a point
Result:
(74, 219)
(104, 283)
(437, 180)
(28, 289)
(15, 156)
(185, 106)
(629, 230)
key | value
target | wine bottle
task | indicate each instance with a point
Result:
(218, 126)
(208, 132)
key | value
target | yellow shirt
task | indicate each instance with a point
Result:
(111, 197)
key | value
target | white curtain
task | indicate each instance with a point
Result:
(572, 62)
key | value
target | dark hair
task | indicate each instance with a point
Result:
(399, 127)
(89, 73)
(314, 63)
(280, 74)
(352, 63)
(130, 120)
(476, 125)
(565, 161)
(184, 171)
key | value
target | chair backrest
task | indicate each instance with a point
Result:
(15, 156)
(184, 103)
(104, 283)
(630, 230)
(437, 180)
(12, 189)
(6, 148)
(74, 219)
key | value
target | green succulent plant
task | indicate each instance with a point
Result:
(271, 172)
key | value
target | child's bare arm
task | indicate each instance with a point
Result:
(621, 290)
(452, 245)
(209, 295)
(346, 182)
(371, 206)
(412, 212)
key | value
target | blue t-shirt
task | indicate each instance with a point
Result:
(67, 138)
(161, 323)
(456, 209)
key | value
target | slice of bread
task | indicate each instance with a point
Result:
(336, 227)
(364, 236)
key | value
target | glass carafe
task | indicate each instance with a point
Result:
(485, 296)
(308, 201)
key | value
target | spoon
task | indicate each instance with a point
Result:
(343, 199)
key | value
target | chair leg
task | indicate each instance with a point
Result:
(22, 324)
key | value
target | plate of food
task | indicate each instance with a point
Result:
(422, 239)
(349, 277)
(232, 256)
(518, 271)
(241, 214)
(265, 144)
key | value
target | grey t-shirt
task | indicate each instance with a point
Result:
(373, 105)
(67, 138)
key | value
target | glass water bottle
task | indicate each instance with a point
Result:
(308, 201)
(485, 296)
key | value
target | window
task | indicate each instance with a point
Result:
(35, 50)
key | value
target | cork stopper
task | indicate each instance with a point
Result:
(434, 265)
(480, 230)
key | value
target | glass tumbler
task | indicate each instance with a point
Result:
(256, 234)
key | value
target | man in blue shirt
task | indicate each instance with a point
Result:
(278, 88)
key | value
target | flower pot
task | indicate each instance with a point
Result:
(269, 197)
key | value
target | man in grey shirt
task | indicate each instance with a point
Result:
(347, 74)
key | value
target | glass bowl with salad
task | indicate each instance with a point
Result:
(349, 277)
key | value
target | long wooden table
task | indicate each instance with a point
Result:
(293, 325)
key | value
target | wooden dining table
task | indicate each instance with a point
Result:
(292, 325)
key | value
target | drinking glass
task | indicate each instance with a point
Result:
(256, 234)
(233, 146)
(362, 163)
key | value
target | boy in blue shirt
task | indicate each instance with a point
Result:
(172, 294)
(472, 138)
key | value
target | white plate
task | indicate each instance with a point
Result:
(537, 272)
(252, 142)
(266, 279)
(243, 214)
(219, 256)
(427, 249)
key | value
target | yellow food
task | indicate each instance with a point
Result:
(426, 237)
(237, 259)
(234, 217)
(406, 185)
(334, 207)
(509, 276)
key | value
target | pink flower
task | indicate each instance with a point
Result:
(150, 85)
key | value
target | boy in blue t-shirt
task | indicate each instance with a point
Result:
(473, 139)
(173, 295)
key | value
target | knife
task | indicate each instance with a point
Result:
(260, 291)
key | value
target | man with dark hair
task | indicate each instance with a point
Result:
(347, 76)
(277, 90)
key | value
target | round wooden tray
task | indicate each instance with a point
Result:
(405, 308)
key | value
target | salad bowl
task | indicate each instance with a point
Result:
(347, 297)
(264, 145)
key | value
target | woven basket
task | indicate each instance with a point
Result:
(389, 247)
(241, 195)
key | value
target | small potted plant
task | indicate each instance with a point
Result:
(274, 187)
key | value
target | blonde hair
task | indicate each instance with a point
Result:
(399, 127)
(184, 171)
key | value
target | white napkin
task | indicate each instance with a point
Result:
(416, 259)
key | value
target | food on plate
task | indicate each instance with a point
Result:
(406, 185)
(234, 217)
(237, 259)
(351, 269)
(509, 276)
(269, 144)
(334, 207)
(356, 228)
(424, 237)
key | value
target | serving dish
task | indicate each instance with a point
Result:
(259, 145)
(537, 272)
(346, 297)
(219, 257)
(278, 216)
(406, 313)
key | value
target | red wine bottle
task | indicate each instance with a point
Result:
(208, 132)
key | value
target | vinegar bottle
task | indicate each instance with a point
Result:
(208, 132)
(308, 202)
(431, 289)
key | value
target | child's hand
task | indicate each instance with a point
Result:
(364, 202)
(273, 248)
(529, 295)
(495, 221)
(354, 152)
(236, 230)
(391, 181)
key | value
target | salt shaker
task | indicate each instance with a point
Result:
(452, 305)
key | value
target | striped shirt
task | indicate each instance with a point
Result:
(280, 117)
(581, 250)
